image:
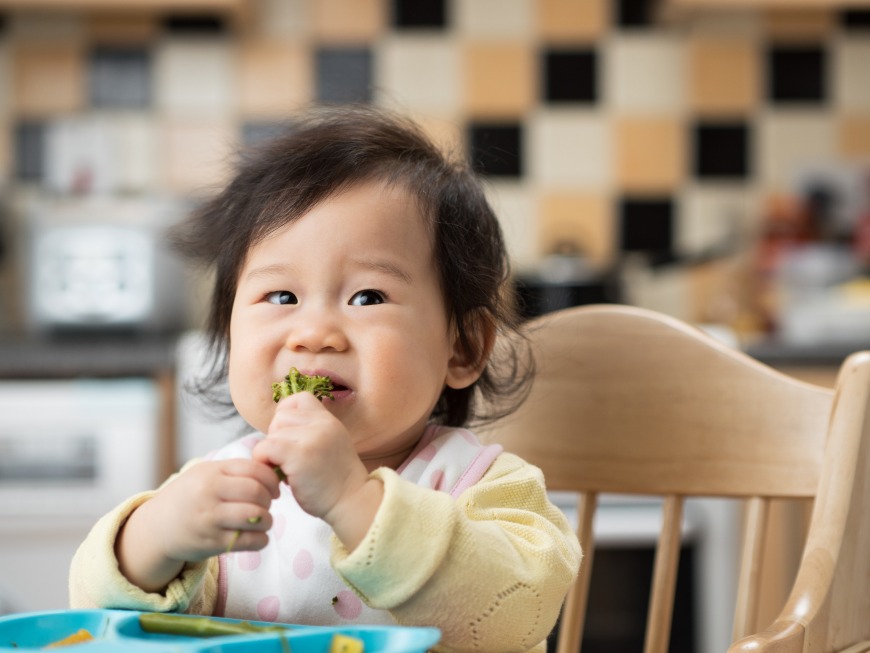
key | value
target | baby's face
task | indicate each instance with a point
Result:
(349, 290)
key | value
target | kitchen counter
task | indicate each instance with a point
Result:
(777, 353)
(27, 357)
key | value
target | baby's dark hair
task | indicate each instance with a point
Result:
(325, 151)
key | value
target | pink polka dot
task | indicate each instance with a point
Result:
(436, 480)
(303, 564)
(348, 605)
(250, 441)
(428, 452)
(268, 608)
(279, 525)
(248, 560)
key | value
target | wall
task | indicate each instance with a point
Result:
(603, 129)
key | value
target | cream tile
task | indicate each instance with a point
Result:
(724, 75)
(47, 79)
(274, 78)
(645, 73)
(348, 21)
(789, 141)
(854, 138)
(494, 18)
(583, 219)
(500, 79)
(570, 149)
(197, 155)
(570, 21)
(419, 73)
(851, 88)
(281, 19)
(516, 207)
(650, 154)
(137, 152)
(195, 77)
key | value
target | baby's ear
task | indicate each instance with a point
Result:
(467, 362)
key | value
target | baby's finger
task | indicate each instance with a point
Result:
(255, 470)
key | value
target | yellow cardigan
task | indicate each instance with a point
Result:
(490, 568)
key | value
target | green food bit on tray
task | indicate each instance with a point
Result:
(192, 626)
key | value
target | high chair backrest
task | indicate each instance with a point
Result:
(628, 400)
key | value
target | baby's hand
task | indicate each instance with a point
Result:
(315, 452)
(197, 515)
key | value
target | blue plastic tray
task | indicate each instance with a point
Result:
(117, 631)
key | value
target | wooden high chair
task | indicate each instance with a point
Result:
(631, 401)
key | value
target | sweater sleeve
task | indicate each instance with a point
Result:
(96, 581)
(490, 569)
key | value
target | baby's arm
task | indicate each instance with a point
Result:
(490, 569)
(196, 516)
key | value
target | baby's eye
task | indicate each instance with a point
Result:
(281, 297)
(367, 298)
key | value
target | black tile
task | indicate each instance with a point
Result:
(634, 13)
(258, 132)
(429, 14)
(721, 150)
(120, 78)
(344, 75)
(570, 75)
(856, 19)
(30, 150)
(797, 73)
(496, 148)
(184, 24)
(646, 224)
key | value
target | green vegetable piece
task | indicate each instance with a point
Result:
(191, 626)
(295, 381)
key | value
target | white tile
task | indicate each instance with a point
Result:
(418, 73)
(716, 218)
(495, 18)
(791, 141)
(195, 77)
(517, 211)
(570, 149)
(645, 73)
(852, 73)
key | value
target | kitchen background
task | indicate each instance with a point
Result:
(703, 158)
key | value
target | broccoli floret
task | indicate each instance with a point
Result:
(295, 381)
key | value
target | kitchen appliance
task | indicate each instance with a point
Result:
(102, 263)
(70, 449)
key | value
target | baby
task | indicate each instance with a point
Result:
(352, 248)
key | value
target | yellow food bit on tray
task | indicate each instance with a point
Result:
(345, 644)
(79, 637)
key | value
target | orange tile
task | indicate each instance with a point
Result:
(122, 29)
(47, 79)
(274, 78)
(650, 153)
(724, 76)
(198, 155)
(582, 220)
(853, 133)
(799, 24)
(500, 79)
(342, 21)
(569, 20)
